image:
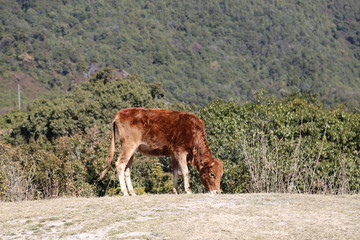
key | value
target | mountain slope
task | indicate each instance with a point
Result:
(199, 50)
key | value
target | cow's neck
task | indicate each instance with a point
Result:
(201, 153)
(202, 158)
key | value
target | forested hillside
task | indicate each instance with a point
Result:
(198, 50)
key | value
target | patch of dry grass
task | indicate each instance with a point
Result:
(200, 216)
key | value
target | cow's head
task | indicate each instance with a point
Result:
(211, 174)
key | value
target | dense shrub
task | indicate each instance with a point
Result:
(288, 145)
(28, 172)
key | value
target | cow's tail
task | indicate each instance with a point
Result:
(112, 151)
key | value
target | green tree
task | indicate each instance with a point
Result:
(93, 103)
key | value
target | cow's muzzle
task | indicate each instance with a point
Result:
(215, 191)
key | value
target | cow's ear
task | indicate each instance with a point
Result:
(207, 163)
(212, 164)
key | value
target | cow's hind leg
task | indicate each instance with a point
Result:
(128, 177)
(121, 163)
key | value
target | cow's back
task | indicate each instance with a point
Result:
(162, 131)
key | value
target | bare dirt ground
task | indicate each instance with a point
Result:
(198, 216)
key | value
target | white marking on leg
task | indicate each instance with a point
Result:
(186, 181)
(128, 177)
(128, 182)
(121, 171)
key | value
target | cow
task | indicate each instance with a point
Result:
(161, 132)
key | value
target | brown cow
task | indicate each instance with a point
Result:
(160, 132)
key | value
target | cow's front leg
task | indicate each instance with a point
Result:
(175, 184)
(175, 168)
(185, 171)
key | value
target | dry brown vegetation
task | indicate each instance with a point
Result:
(198, 216)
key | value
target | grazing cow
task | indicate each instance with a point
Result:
(160, 132)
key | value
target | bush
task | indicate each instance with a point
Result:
(90, 104)
(28, 172)
(288, 145)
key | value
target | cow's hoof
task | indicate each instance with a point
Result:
(175, 191)
(124, 193)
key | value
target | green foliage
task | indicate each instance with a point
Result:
(103, 76)
(68, 166)
(288, 145)
(81, 158)
(12, 119)
(198, 50)
(89, 104)
(27, 172)
(158, 181)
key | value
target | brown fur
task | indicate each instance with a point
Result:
(160, 132)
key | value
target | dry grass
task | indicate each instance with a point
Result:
(244, 216)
